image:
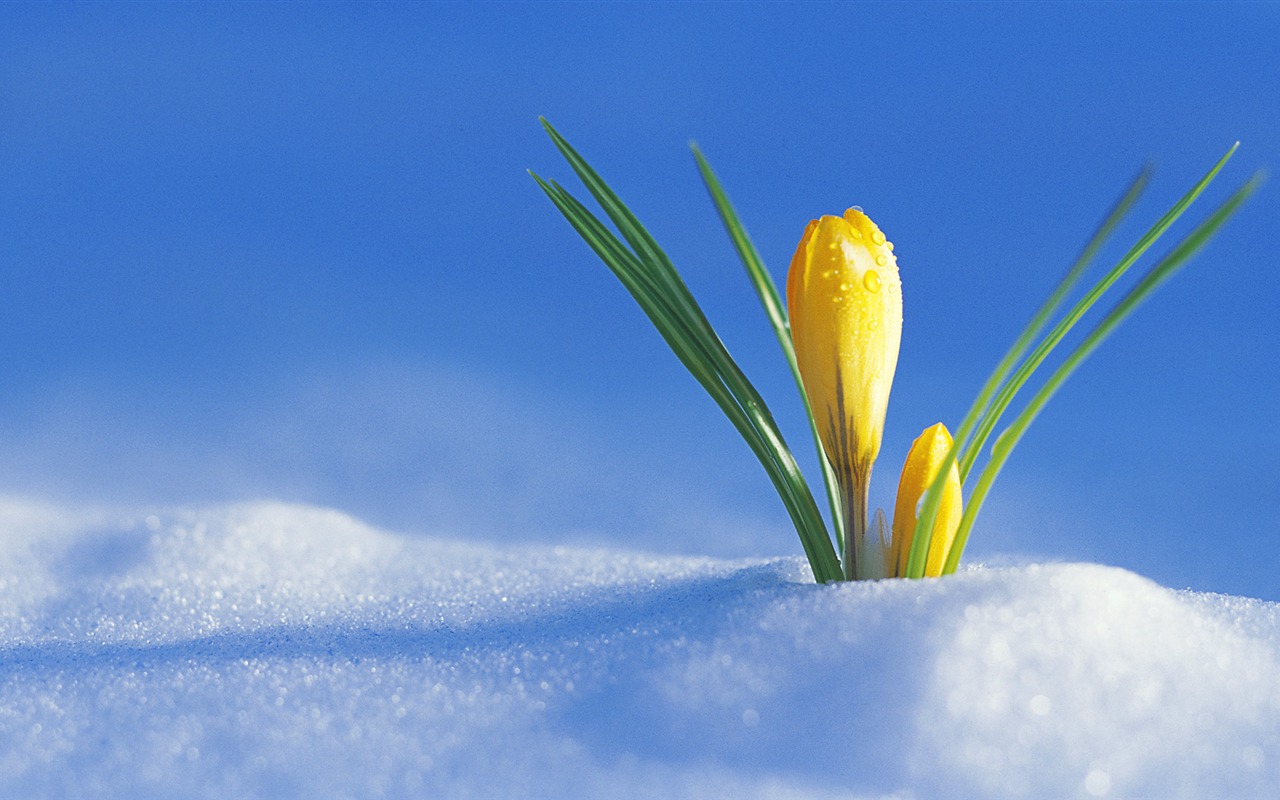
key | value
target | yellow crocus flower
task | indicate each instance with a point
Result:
(921, 468)
(844, 297)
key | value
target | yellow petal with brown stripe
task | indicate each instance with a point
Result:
(844, 297)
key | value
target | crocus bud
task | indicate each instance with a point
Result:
(918, 473)
(844, 297)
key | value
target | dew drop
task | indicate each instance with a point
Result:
(877, 237)
(889, 245)
(838, 299)
(857, 234)
(844, 287)
(881, 260)
(871, 280)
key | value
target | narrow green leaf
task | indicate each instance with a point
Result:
(699, 365)
(990, 412)
(655, 285)
(644, 245)
(918, 555)
(776, 310)
(1161, 272)
(1024, 372)
(774, 305)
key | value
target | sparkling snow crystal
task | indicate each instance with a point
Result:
(282, 651)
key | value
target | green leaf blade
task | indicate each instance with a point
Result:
(776, 310)
(970, 445)
(1164, 269)
(652, 281)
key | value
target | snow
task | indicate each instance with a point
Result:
(273, 650)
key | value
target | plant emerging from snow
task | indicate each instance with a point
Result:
(839, 330)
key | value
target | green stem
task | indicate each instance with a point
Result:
(855, 503)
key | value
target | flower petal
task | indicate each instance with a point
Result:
(844, 297)
(923, 461)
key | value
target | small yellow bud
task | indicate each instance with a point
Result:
(923, 462)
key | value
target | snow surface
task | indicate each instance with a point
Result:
(269, 650)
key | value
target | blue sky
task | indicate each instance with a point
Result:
(292, 251)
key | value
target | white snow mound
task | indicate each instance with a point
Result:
(276, 651)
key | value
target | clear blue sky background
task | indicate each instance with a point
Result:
(291, 251)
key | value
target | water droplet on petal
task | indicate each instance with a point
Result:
(881, 260)
(844, 287)
(877, 237)
(889, 245)
(871, 280)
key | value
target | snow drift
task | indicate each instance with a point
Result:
(267, 650)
